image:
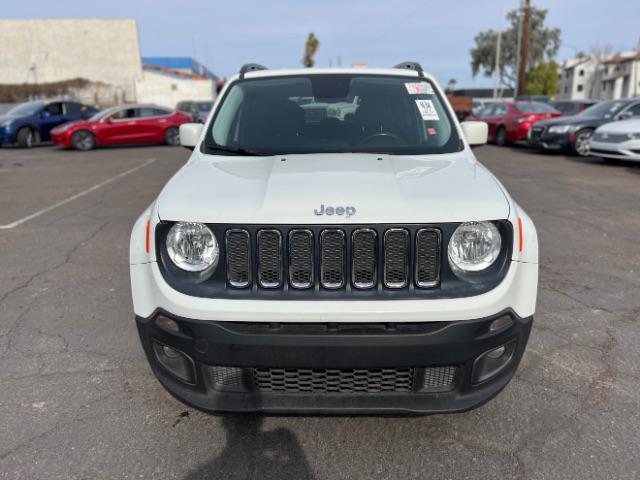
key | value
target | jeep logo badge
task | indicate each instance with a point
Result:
(348, 211)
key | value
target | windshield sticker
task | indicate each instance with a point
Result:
(427, 110)
(419, 88)
(431, 131)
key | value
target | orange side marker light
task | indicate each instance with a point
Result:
(148, 244)
(520, 231)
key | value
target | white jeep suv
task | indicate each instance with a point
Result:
(316, 263)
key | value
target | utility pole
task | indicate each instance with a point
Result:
(498, 73)
(524, 48)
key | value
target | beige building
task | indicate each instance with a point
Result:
(104, 52)
(43, 51)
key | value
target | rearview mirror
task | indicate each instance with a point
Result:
(190, 134)
(476, 133)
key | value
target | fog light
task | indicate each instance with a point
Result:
(492, 362)
(170, 352)
(496, 353)
(167, 324)
(501, 323)
(176, 362)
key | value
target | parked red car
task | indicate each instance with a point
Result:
(510, 122)
(121, 126)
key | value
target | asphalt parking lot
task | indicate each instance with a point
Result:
(78, 400)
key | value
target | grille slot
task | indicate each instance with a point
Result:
(428, 242)
(269, 258)
(238, 258)
(439, 378)
(396, 258)
(332, 253)
(301, 258)
(323, 380)
(364, 258)
(227, 378)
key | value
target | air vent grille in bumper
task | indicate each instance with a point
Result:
(357, 380)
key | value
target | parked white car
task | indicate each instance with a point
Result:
(619, 140)
(356, 265)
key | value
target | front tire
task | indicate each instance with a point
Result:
(581, 140)
(25, 137)
(83, 140)
(172, 136)
(501, 137)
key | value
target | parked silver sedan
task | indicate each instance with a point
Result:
(619, 140)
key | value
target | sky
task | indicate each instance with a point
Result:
(382, 33)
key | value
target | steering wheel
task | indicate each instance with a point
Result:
(381, 135)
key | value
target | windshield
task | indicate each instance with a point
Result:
(204, 106)
(535, 108)
(28, 108)
(104, 113)
(325, 113)
(603, 109)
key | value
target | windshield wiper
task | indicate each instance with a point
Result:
(238, 151)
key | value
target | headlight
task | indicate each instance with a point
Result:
(633, 136)
(559, 128)
(474, 246)
(192, 246)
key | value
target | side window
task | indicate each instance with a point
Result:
(487, 110)
(634, 110)
(54, 108)
(159, 112)
(500, 110)
(71, 108)
(123, 114)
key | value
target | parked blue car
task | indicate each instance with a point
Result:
(30, 123)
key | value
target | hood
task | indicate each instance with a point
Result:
(621, 126)
(373, 188)
(575, 120)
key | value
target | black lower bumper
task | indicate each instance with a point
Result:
(430, 367)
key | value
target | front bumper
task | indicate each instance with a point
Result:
(629, 150)
(7, 136)
(550, 141)
(324, 350)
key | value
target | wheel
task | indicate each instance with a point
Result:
(501, 136)
(25, 137)
(83, 140)
(581, 140)
(172, 136)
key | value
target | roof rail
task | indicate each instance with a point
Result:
(250, 67)
(411, 66)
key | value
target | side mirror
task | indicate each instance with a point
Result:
(625, 115)
(190, 134)
(45, 114)
(476, 133)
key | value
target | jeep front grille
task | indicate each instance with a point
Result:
(333, 259)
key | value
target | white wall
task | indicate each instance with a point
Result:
(167, 91)
(40, 51)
